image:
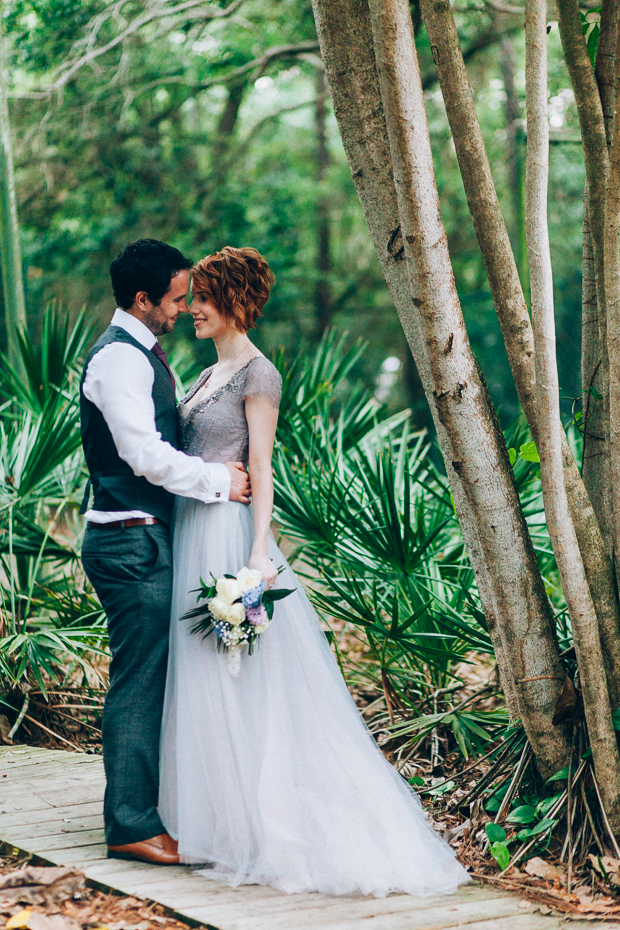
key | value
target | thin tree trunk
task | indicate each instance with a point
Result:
(12, 282)
(561, 529)
(605, 60)
(323, 298)
(514, 140)
(597, 475)
(612, 291)
(594, 465)
(512, 312)
(528, 650)
(476, 446)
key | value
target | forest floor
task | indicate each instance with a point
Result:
(64, 902)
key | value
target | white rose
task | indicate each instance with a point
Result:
(248, 578)
(235, 614)
(228, 589)
(262, 626)
(218, 608)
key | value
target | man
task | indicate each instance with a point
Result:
(130, 439)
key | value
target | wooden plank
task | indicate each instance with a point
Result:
(13, 774)
(528, 922)
(361, 906)
(28, 819)
(347, 916)
(56, 827)
(48, 758)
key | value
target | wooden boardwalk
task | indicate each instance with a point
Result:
(50, 805)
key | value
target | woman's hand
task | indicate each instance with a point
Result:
(263, 564)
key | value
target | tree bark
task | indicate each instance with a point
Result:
(597, 475)
(11, 263)
(476, 457)
(605, 59)
(612, 292)
(594, 466)
(561, 529)
(514, 140)
(513, 316)
(323, 299)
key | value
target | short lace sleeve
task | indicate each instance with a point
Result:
(263, 380)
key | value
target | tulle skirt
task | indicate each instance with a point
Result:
(273, 777)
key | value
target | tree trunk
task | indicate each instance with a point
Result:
(499, 546)
(323, 299)
(605, 59)
(612, 292)
(12, 282)
(514, 140)
(561, 529)
(597, 474)
(593, 428)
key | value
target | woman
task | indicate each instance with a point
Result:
(273, 776)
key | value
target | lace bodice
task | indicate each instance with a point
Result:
(216, 428)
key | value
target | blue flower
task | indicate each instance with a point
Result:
(252, 598)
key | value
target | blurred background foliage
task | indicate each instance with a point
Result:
(212, 126)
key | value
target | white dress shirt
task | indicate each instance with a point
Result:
(119, 382)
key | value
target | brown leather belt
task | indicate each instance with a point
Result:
(124, 524)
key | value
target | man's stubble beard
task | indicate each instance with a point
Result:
(158, 324)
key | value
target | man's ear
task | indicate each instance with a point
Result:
(141, 301)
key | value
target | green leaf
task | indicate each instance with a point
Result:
(500, 854)
(587, 755)
(493, 803)
(615, 719)
(512, 456)
(540, 827)
(495, 833)
(523, 814)
(561, 775)
(591, 25)
(416, 780)
(529, 452)
(442, 789)
(546, 804)
(278, 594)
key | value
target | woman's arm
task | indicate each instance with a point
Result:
(262, 419)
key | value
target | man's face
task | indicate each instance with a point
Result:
(161, 318)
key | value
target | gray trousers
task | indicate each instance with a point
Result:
(131, 571)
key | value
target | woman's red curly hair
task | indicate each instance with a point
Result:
(238, 281)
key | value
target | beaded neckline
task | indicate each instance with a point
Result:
(212, 398)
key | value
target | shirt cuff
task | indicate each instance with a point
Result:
(219, 483)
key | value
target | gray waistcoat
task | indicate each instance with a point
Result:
(114, 484)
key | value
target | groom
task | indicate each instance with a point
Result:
(130, 438)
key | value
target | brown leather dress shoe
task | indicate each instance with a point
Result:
(160, 850)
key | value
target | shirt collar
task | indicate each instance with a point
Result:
(135, 327)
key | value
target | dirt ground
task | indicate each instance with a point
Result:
(34, 897)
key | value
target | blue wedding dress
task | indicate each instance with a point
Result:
(273, 777)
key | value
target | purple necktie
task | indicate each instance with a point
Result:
(161, 355)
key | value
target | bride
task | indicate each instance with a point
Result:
(271, 777)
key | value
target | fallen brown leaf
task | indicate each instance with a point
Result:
(541, 869)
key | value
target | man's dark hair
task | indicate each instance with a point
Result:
(145, 265)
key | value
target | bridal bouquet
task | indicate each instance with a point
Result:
(238, 610)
